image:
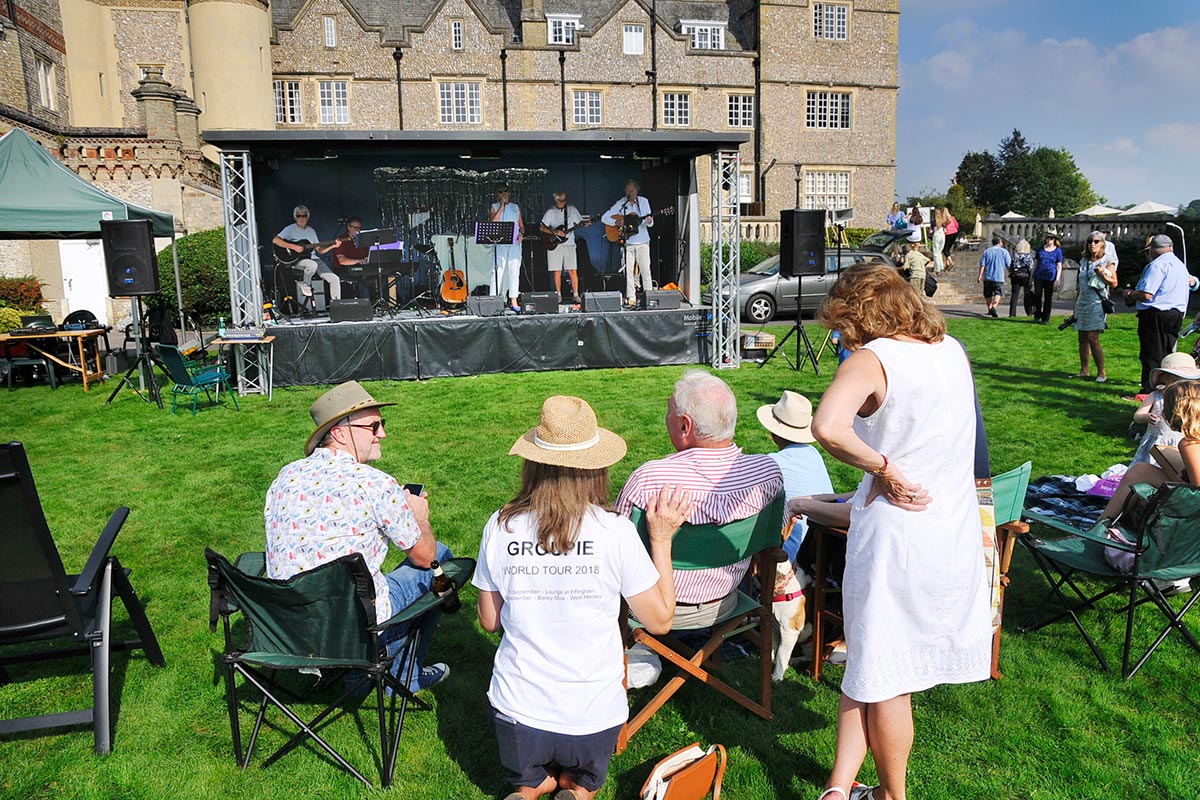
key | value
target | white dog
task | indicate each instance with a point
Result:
(791, 619)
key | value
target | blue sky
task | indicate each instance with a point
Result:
(1115, 82)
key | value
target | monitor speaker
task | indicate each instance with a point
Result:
(801, 242)
(539, 302)
(129, 257)
(601, 301)
(485, 305)
(357, 310)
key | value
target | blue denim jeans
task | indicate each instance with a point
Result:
(405, 584)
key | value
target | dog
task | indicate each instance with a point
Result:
(791, 618)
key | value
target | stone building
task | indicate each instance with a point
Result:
(119, 88)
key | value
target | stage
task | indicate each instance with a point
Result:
(408, 346)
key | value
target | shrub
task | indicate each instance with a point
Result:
(203, 274)
(25, 292)
(10, 318)
(856, 235)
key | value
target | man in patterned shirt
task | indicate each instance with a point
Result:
(331, 504)
(725, 485)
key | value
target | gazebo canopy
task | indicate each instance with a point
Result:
(1148, 207)
(41, 199)
(1098, 211)
(1012, 215)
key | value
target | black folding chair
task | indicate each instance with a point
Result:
(322, 619)
(40, 602)
(1164, 526)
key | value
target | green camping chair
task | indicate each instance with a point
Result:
(705, 547)
(1164, 526)
(322, 619)
(190, 381)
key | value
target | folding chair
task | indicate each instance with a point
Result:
(190, 382)
(40, 602)
(1008, 505)
(322, 619)
(705, 547)
(1164, 526)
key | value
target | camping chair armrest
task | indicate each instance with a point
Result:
(458, 570)
(1097, 534)
(1143, 490)
(91, 571)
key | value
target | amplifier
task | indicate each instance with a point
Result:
(539, 303)
(602, 301)
(658, 299)
(485, 306)
(356, 310)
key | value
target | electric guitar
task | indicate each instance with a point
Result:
(553, 240)
(454, 283)
(286, 258)
(629, 226)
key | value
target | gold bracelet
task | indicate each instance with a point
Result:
(882, 469)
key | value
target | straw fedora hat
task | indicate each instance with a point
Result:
(789, 418)
(1181, 365)
(338, 402)
(567, 436)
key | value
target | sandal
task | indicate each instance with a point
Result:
(860, 792)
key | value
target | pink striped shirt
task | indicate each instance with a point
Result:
(727, 486)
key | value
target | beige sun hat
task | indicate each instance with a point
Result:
(1181, 365)
(790, 418)
(567, 436)
(340, 401)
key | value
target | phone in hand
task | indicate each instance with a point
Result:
(415, 488)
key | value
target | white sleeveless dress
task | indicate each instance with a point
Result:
(915, 603)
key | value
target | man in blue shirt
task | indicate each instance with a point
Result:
(993, 269)
(1162, 296)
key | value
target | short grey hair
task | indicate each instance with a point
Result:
(710, 404)
(299, 210)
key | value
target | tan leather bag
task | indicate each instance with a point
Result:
(687, 774)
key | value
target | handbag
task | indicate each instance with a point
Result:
(930, 284)
(1106, 305)
(687, 774)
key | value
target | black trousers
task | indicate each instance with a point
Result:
(1157, 333)
(1017, 285)
(1043, 293)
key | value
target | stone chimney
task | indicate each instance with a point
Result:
(187, 115)
(533, 22)
(156, 105)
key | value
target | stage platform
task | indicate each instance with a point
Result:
(412, 347)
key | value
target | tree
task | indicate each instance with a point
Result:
(963, 210)
(1191, 210)
(1013, 147)
(1024, 179)
(977, 176)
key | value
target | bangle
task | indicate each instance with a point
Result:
(882, 469)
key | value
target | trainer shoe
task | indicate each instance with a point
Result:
(429, 677)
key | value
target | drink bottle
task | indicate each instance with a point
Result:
(442, 586)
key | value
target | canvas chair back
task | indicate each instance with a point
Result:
(1171, 527)
(708, 545)
(172, 359)
(324, 613)
(34, 592)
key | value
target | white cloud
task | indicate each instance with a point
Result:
(1122, 145)
(1177, 136)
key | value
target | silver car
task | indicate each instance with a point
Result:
(764, 294)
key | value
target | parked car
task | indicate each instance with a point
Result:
(764, 294)
(885, 241)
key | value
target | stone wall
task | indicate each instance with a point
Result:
(145, 38)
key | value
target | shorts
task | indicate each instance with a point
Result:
(529, 754)
(993, 289)
(561, 257)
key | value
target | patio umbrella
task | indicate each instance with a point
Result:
(1148, 207)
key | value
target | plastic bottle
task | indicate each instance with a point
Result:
(221, 327)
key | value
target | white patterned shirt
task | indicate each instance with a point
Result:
(726, 486)
(329, 505)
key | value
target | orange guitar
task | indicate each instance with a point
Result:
(630, 224)
(454, 283)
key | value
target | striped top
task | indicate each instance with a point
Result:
(727, 486)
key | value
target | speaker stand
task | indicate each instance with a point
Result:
(144, 363)
(797, 327)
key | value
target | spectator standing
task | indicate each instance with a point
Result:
(1047, 272)
(915, 221)
(993, 265)
(895, 218)
(916, 264)
(1020, 275)
(937, 242)
(1097, 272)
(951, 237)
(1161, 296)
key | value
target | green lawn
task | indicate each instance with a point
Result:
(1054, 727)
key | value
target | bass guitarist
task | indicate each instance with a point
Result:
(299, 238)
(558, 229)
(632, 214)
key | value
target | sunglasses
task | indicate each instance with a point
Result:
(302, 216)
(374, 427)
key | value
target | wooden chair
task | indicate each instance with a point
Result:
(1008, 494)
(705, 547)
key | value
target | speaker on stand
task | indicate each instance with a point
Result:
(801, 252)
(132, 269)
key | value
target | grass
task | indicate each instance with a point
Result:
(1054, 727)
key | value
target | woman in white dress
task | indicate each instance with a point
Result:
(901, 408)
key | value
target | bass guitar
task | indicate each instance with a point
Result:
(454, 283)
(629, 226)
(286, 257)
(553, 240)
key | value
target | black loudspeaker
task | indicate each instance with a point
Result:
(129, 257)
(356, 310)
(601, 301)
(539, 303)
(801, 243)
(658, 299)
(485, 306)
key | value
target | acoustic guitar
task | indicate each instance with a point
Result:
(553, 240)
(286, 258)
(454, 283)
(631, 223)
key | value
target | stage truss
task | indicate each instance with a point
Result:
(241, 239)
(726, 259)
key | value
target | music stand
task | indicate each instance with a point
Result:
(496, 233)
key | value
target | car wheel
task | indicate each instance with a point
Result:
(760, 308)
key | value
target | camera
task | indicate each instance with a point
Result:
(1068, 322)
(1130, 300)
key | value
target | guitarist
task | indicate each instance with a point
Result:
(636, 255)
(300, 232)
(560, 222)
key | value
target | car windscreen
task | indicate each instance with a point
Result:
(769, 266)
(878, 241)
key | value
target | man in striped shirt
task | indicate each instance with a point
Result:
(724, 484)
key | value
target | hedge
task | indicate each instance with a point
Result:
(203, 273)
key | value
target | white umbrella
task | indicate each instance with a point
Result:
(1012, 215)
(1098, 211)
(978, 232)
(1148, 207)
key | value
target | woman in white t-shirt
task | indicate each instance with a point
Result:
(553, 566)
